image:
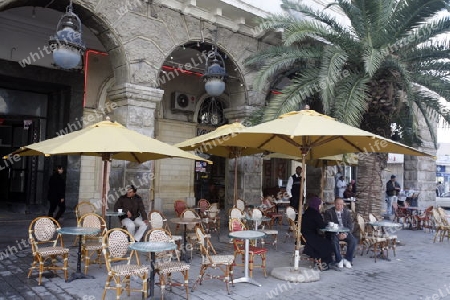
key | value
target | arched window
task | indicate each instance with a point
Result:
(211, 112)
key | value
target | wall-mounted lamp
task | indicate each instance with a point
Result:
(215, 72)
(67, 45)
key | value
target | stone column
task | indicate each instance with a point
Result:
(135, 109)
(249, 168)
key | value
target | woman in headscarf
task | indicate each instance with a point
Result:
(317, 246)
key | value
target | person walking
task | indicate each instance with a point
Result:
(56, 193)
(392, 190)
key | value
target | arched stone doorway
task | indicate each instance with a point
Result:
(56, 101)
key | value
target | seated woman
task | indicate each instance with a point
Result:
(317, 246)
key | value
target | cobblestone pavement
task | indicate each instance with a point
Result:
(419, 271)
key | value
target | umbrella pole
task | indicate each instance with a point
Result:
(300, 214)
(235, 182)
(105, 158)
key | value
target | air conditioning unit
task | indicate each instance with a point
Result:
(183, 102)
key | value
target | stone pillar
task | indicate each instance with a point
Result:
(135, 109)
(419, 171)
(249, 168)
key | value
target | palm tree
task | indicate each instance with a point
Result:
(385, 66)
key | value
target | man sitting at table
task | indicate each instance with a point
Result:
(348, 193)
(135, 215)
(342, 216)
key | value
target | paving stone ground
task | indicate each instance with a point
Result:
(420, 270)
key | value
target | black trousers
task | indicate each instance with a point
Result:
(57, 204)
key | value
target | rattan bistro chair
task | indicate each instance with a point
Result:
(222, 262)
(47, 245)
(122, 263)
(166, 265)
(92, 243)
(82, 208)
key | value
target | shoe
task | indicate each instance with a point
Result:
(341, 264)
(347, 264)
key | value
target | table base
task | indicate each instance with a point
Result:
(246, 280)
(79, 275)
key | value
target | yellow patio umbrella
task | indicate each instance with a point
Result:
(213, 143)
(109, 140)
(311, 135)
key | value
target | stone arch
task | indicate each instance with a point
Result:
(91, 16)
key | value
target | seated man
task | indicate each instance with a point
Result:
(342, 216)
(135, 215)
(348, 193)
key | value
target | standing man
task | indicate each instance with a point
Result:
(392, 190)
(56, 193)
(342, 216)
(135, 215)
(293, 187)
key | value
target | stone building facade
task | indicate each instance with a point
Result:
(143, 55)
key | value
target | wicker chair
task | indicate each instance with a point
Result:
(369, 240)
(158, 220)
(391, 239)
(47, 245)
(222, 262)
(239, 249)
(213, 219)
(240, 204)
(122, 263)
(82, 208)
(269, 209)
(270, 232)
(92, 243)
(291, 215)
(165, 265)
(179, 206)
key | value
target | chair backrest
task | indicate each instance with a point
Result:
(290, 213)
(93, 220)
(161, 235)
(83, 208)
(213, 211)
(157, 219)
(240, 204)
(115, 244)
(361, 224)
(235, 213)
(179, 206)
(443, 216)
(43, 231)
(190, 214)
(256, 213)
(236, 225)
(201, 239)
(203, 204)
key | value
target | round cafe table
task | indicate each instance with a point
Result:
(185, 222)
(152, 247)
(246, 235)
(110, 214)
(79, 231)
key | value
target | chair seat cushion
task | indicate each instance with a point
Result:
(47, 251)
(125, 269)
(171, 267)
(177, 237)
(221, 259)
(269, 231)
(257, 250)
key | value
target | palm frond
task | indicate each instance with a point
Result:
(350, 103)
(373, 58)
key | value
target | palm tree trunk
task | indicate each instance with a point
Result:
(369, 186)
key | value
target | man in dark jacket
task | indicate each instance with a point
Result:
(135, 215)
(56, 193)
(342, 216)
(392, 190)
